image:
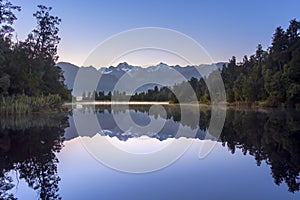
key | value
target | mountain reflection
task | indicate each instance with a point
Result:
(27, 147)
(272, 136)
(141, 117)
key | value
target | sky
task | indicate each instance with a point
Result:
(223, 28)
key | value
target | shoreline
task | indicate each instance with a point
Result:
(117, 103)
(235, 105)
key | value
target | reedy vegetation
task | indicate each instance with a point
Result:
(23, 104)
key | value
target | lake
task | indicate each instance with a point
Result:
(94, 152)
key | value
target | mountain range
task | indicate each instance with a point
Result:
(144, 77)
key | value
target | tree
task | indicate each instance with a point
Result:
(259, 54)
(7, 17)
(278, 50)
(28, 67)
(293, 31)
(38, 55)
(229, 75)
(45, 35)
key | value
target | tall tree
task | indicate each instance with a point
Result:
(45, 35)
(7, 17)
(41, 49)
(293, 31)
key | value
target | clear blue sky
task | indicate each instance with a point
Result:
(223, 28)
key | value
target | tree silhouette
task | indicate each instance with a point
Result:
(271, 137)
(32, 152)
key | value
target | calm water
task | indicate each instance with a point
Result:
(257, 156)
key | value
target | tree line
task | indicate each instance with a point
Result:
(29, 67)
(155, 94)
(270, 77)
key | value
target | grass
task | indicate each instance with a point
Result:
(23, 104)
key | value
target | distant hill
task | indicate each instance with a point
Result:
(70, 72)
(109, 76)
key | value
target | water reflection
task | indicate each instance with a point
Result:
(28, 146)
(271, 136)
(141, 116)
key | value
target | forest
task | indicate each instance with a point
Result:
(27, 68)
(271, 76)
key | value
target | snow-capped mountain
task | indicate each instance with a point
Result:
(146, 77)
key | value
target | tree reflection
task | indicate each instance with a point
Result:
(6, 185)
(272, 137)
(31, 152)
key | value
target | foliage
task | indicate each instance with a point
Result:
(7, 17)
(155, 94)
(28, 67)
(270, 76)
